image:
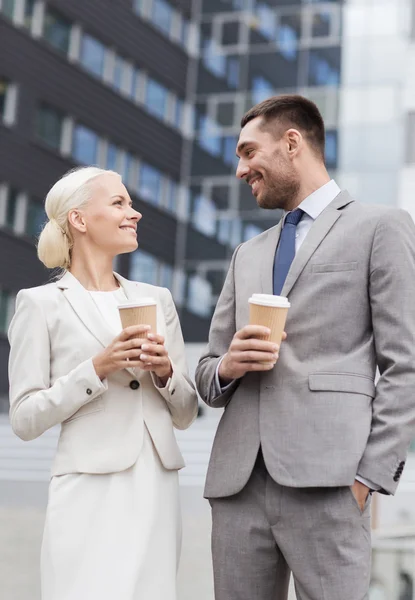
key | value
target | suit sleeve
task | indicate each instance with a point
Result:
(222, 330)
(392, 294)
(179, 392)
(35, 403)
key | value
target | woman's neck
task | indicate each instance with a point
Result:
(95, 273)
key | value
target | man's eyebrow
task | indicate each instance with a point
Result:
(241, 147)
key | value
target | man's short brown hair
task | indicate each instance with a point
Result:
(291, 111)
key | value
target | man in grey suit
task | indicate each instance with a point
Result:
(306, 435)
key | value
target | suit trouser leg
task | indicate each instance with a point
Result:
(247, 563)
(268, 530)
(325, 539)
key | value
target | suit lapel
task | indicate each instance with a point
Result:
(87, 311)
(320, 228)
(267, 258)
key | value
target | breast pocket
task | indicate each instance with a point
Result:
(334, 267)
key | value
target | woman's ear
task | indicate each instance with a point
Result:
(76, 220)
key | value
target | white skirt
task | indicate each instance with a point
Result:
(115, 536)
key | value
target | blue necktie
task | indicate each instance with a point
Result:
(286, 249)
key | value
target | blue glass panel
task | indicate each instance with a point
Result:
(92, 55)
(156, 98)
(150, 184)
(85, 145)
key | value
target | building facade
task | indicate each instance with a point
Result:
(155, 89)
(92, 83)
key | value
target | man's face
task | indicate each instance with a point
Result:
(265, 165)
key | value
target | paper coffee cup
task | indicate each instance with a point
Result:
(142, 312)
(269, 311)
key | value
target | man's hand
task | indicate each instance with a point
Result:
(246, 353)
(360, 492)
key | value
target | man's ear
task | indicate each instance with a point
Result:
(294, 141)
(76, 219)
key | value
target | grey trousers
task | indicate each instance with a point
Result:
(267, 531)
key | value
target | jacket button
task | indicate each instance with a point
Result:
(89, 392)
(134, 384)
(396, 478)
(172, 392)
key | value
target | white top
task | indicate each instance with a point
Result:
(107, 304)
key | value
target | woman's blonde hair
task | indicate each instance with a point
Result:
(72, 191)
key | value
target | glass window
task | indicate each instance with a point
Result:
(127, 168)
(135, 83)
(204, 215)
(209, 135)
(261, 89)
(8, 8)
(172, 195)
(166, 276)
(251, 231)
(178, 113)
(229, 147)
(287, 39)
(4, 86)
(85, 145)
(150, 182)
(57, 30)
(224, 230)
(112, 157)
(233, 72)
(92, 55)
(162, 15)
(321, 70)
(266, 20)
(184, 31)
(331, 149)
(143, 267)
(119, 69)
(36, 218)
(11, 208)
(49, 123)
(213, 59)
(199, 296)
(4, 310)
(29, 7)
(321, 24)
(138, 6)
(156, 98)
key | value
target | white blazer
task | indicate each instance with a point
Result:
(55, 332)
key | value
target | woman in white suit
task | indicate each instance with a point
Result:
(113, 525)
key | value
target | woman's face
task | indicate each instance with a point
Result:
(108, 222)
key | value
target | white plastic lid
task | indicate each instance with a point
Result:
(139, 303)
(269, 300)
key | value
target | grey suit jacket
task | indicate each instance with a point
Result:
(318, 415)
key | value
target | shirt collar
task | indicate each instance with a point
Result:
(316, 202)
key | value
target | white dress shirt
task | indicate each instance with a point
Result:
(312, 206)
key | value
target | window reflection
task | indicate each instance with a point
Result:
(204, 215)
(49, 123)
(324, 67)
(156, 98)
(85, 145)
(143, 267)
(199, 300)
(150, 181)
(92, 55)
(57, 30)
(162, 15)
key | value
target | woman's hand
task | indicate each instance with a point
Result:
(154, 358)
(123, 352)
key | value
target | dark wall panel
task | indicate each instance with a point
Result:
(44, 75)
(114, 22)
